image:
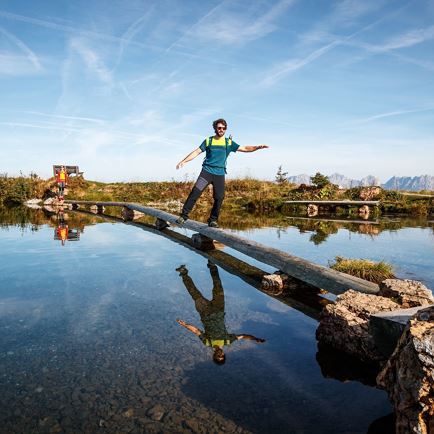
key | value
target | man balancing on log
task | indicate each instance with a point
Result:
(217, 149)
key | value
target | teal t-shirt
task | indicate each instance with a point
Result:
(217, 152)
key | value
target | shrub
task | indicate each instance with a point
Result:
(365, 269)
(319, 180)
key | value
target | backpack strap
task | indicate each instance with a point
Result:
(208, 141)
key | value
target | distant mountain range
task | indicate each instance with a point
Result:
(415, 183)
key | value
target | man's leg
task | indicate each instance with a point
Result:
(218, 295)
(200, 302)
(201, 183)
(218, 195)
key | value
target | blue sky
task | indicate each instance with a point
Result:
(125, 89)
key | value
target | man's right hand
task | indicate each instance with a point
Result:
(179, 165)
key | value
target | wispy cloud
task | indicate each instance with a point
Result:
(391, 114)
(131, 32)
(15, 64)
(71, 29)
(241, 25)
(12, 64)
(92, 60)
(67, 117)
(343, 15)
(292, 65)
(404, 40)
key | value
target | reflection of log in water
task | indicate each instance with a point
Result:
(314, 274)
(302, 297)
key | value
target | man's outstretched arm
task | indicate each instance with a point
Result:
(190, 327)
(251, 148)
(189, 157)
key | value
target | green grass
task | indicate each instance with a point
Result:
(365, 269)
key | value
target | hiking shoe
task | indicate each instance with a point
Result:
(213, 224)
(180, 220)
(182, 270)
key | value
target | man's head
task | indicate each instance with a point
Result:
(218, 356)
(220, 126)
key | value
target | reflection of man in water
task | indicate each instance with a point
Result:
(212, 315)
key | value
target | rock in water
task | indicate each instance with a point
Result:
(408, 376)
(408, 293)
(345, 324)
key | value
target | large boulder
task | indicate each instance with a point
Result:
(370, 193)
(408, 293)
(408, 376)
(345, 324)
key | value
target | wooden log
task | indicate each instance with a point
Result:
(314, 274)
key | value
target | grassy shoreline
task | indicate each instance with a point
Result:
(248, 194)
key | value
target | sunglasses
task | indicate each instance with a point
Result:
(221, 128)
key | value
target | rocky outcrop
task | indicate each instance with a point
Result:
(370, 193)
(407, 293)
(345, 324)
(408, 376)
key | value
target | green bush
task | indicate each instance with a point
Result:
(365, 269)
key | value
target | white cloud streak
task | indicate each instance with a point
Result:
(31, 56)
(92, 61)
(67, 117)
(70, 29)
(239, 28)
(292, 65)
(391, 114)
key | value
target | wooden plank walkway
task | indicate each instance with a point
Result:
(334, 202)
(313, 274)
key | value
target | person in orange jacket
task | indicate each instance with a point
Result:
(62, 181)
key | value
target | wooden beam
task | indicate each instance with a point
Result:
(313, 274)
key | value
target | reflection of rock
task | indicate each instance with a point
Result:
(97, 209)
(130, 214)
(408, 293)
(202, 242)
(312, 210)
(408, 376)
(368, 229)
(364, 211)
(32, 205)
(370, 193)
(33, 201)
(344, 367)
(383, 425)
(345, 324)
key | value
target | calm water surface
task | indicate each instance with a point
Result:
(90, 340)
